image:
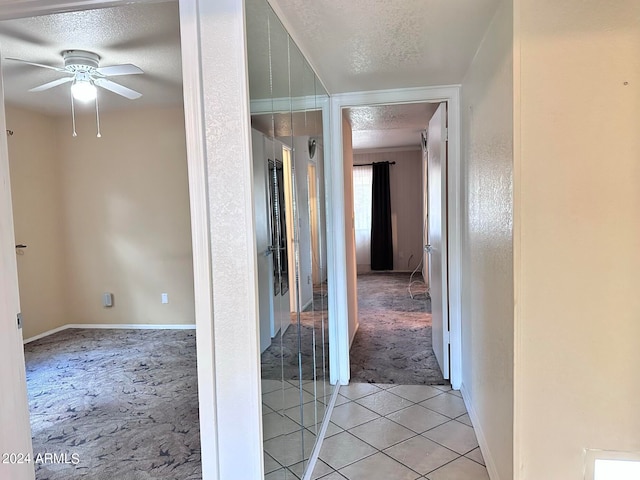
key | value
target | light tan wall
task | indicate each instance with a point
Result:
(352, 281)
(577, 232)
(405, 183)
(487, 309)
(38, 213)
(127, 223)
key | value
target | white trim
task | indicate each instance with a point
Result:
(482, 439)
(338, 301)
(313, 459)
(286, 104)
(201, 241)
(110, 326)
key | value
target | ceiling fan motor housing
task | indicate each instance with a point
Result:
(80, 61)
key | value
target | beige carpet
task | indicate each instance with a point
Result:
(393, 342)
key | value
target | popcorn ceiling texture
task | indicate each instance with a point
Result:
(383, 44)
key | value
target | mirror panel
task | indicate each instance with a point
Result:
(288, 163)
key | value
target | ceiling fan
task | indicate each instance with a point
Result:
(82, 69)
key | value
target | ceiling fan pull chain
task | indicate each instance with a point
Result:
(73, 117)
(99, 135)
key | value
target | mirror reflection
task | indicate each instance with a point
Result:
(287, 102)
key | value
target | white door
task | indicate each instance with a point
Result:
(437, 235)
(15, 434)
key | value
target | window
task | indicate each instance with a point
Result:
(362, 180)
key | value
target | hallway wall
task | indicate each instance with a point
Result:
(487, 235)
(577, 234)
(405, 179)
(350, 240)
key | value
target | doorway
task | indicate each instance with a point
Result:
(345, 321)
(106, 277)
(393, 341)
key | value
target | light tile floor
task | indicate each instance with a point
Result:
(401, 432)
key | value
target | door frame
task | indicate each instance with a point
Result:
(339, 369)
(230, 410)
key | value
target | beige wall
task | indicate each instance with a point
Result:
(352, 281)
(119, 206)
(37, 205)
(405, 182)
(577, 233)
(128, 231)
(487, 234)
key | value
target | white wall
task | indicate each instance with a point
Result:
(405, 183)
(38, 220)
(106, 214)
(577, 234)
(487, 235)
(301, 162)
(350, 239)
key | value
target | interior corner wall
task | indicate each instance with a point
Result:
(578, 204)
(487, 236)
(405, 182)
(37, 206)
(350, 240)
(125, 205)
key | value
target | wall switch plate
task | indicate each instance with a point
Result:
(107, 299)
(164, 298)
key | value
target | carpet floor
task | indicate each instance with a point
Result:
(280, 360)
(393, 341)
(125, 402)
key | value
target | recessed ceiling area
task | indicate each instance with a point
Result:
(389, 126)
(146, 35)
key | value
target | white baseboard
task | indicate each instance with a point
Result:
(482, 440)
(127, 326)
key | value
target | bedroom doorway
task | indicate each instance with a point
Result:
(393, 343)
(106, 277)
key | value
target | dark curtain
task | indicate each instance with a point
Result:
(381, 239)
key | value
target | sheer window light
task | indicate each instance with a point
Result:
(362, 181)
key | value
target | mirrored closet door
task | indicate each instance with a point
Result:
(288, 106)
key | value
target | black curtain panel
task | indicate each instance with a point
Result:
(381, 239)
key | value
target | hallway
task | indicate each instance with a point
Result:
(401, 432)
(393, 342)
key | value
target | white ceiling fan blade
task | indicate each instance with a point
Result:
(115, 70)
(117, 88)
(50, 67)
(52, 84)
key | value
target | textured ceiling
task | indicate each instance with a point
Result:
(389, 126)
(147, 35)
(360, 45)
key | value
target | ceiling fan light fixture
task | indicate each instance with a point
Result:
(83, 90)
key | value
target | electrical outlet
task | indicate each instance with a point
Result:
(164, 297)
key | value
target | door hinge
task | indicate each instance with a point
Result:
(446, 134)
(19, 316)
(447, 337)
